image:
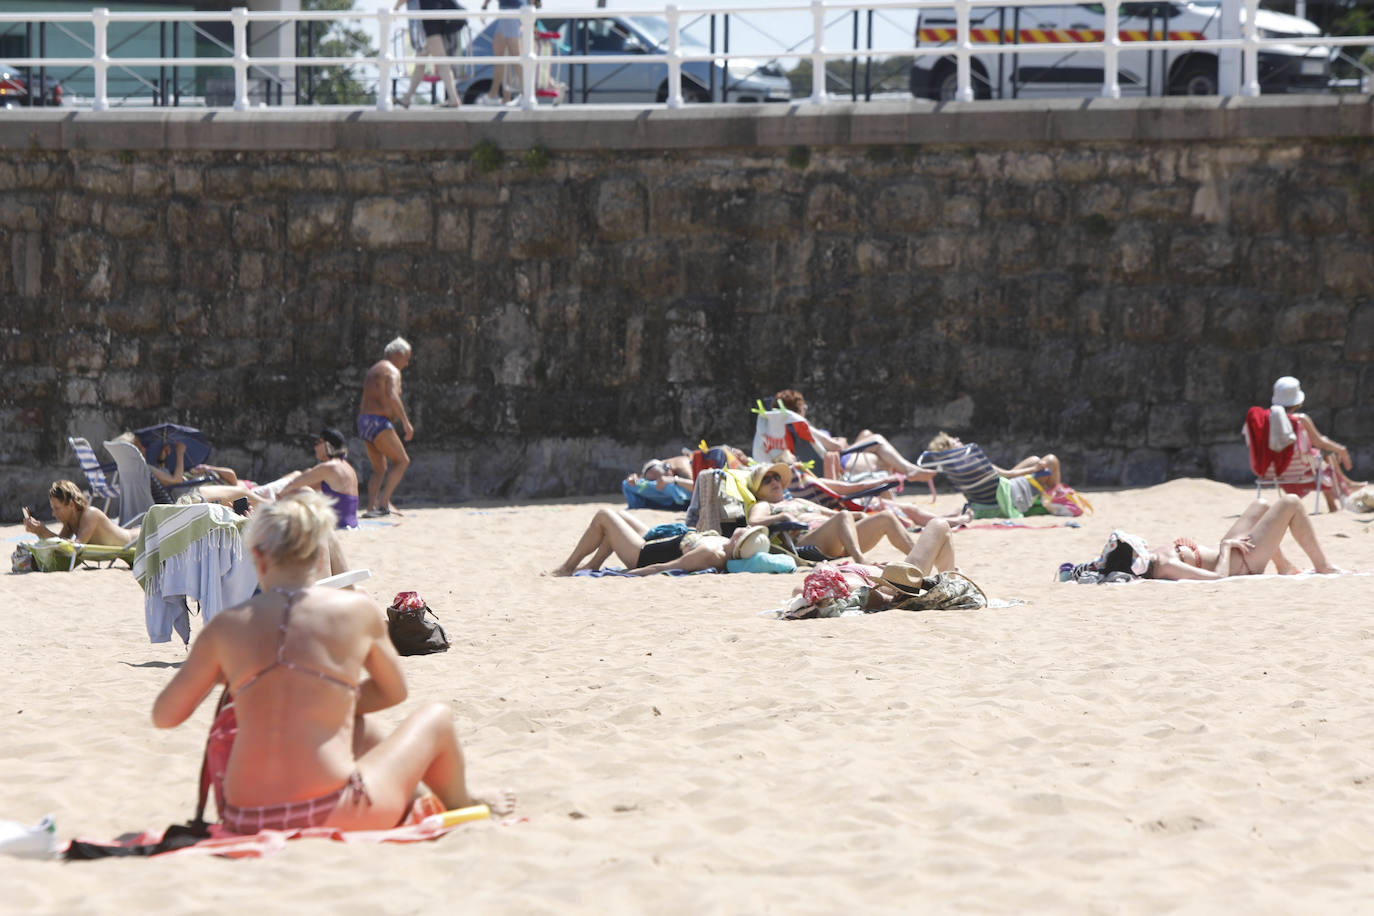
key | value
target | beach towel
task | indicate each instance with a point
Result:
(190, 552)
(1259, 425)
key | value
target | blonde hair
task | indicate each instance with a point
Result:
(941, 442)
(69, 494)
(291, 530)
(397, 346)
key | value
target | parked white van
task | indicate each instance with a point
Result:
(1067, 72)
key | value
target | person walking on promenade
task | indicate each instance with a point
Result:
(381, 405)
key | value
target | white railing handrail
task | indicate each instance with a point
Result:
(529, 59)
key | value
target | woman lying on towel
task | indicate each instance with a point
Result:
(304, 665)
(617, 531)
(80, 520)
(830, 533)
(1247, 548)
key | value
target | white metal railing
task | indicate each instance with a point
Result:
(963, 49)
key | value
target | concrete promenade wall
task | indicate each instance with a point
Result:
(1114, 281)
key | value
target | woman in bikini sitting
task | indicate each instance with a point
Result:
(304, 665)
(80, 520)
(830, 533)
(1247, 548)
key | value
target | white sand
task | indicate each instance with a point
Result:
(1202, 747)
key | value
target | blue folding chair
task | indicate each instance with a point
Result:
(99, 484)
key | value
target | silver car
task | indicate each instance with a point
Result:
(737, 80)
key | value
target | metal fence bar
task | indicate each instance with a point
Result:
(962, 49)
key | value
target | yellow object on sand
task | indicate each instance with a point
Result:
(456, 816)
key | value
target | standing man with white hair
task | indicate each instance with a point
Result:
(382, 404)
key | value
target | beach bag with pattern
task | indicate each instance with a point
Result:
(942, 592)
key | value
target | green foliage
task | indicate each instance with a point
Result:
(798, 157)
(487, 156)
(537, 158)
(336, 85)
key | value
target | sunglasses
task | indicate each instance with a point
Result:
(771, 478)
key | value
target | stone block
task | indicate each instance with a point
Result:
(150, 180)
(20, 213)
(1019, 248)
(904, 206)
(1313, 211)
(537, 229)
(314, 222)
(29, 384)
(1353, 424)
(1285, 265)
(1200, 253)
(1309, 321)
(1133, 250)
(188, 179)
(1028, 167)
(831, 207)
(151, 263)
(1159, 203)
(1347, 267)
(388, 222)
(256, 226)
(1170, 426)
(130, 221)
(1005, 202)
(621, 209)
(133, 388)
(251, 270)
(453, 231)
(207, 270)
(276, 178)
(1255, 204)
(1359, 338)
(962, 211)
(1079, 166)
(84, 265)
(197, 223)
(1104, 201)
(394, 270)
(110, 179)
(363, 178)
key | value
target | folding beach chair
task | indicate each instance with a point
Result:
(62, 554)
(1298, 465)
(135, 489)
(95, 472)
(865, 500)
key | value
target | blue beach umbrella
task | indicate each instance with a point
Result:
(153, 438)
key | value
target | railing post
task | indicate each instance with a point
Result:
(240, 17)
(1228, 59)
(817, 52)
(965, 73)
(1111, 77)
(1249, 55)
(385, 59)
(529, 61)
(100, 19)
(675, 56)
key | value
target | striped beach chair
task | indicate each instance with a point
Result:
(99, 484)
(969, 469)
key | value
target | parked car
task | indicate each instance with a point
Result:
(736, 80)
(14, 87)
(1069, 73)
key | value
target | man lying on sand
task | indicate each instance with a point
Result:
(294, 658)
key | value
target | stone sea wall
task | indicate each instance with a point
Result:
(576, 305)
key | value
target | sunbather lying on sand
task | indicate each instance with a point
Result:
(617, 531)
(834, 533)
(80, 520)
(294, 659)
(1247, 548)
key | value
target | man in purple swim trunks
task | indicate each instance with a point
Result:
(381, 404)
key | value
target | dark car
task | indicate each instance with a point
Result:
(15, 83)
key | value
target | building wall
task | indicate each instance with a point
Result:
(592, 294)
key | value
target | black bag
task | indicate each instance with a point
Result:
(411, 631)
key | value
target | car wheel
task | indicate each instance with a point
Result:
(692, 94)
(946, 82)
(1197, 76)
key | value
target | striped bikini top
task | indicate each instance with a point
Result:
(283, 662)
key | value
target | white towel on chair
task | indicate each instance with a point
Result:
(1281, 433)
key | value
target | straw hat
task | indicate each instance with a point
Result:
(753, 541)
(762, 470)
(1288, 393)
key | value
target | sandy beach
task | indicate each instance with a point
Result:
(1101, 749)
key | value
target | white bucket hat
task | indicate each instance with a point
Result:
(753, 541)
(1288, 392)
